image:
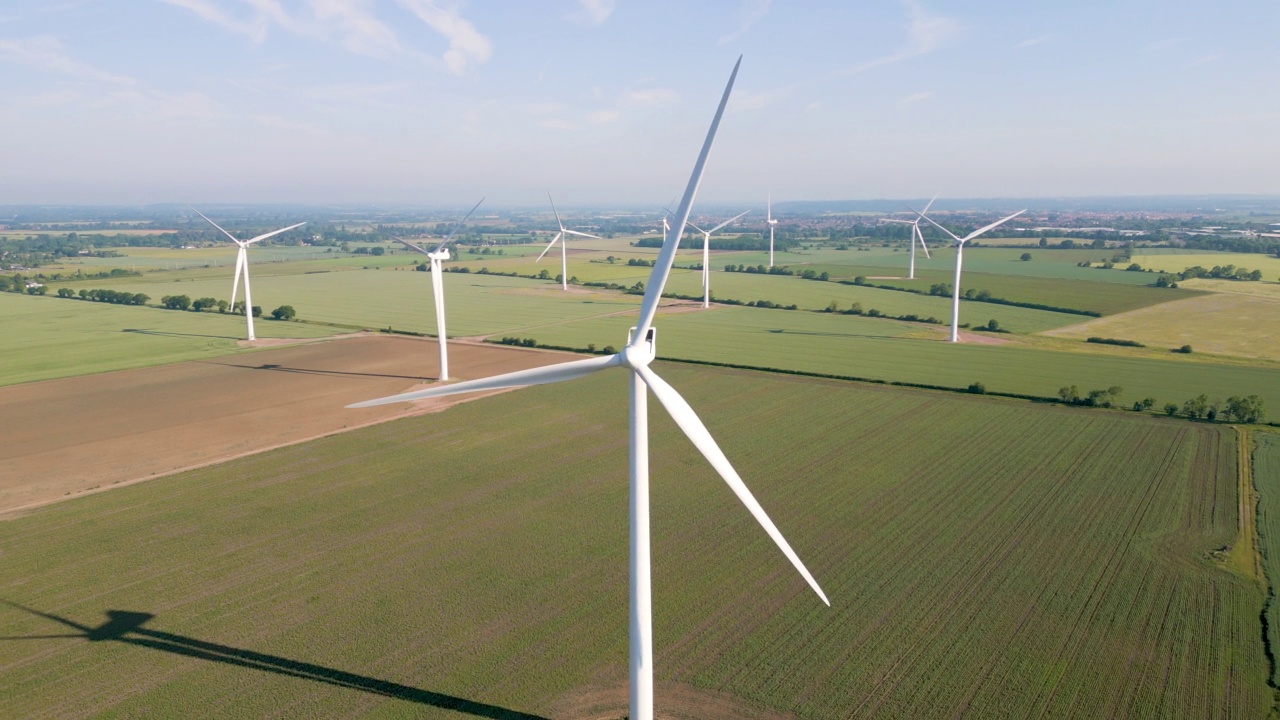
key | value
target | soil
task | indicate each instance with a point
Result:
(71, 436)
(672, 701)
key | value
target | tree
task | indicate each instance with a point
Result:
(1185, 350)
(204, 303)
(1247, 409)
(993, 326)
(65, 293)
(1170, 409)
(284, 312)
(176, 302)
(223, 305)
(1025, 257)
(140, 298)
(1196, 406)
(1069, 394)
(978, 388)
(257, 311)
(377, 250)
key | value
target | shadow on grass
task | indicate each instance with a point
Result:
(308, 371)
(126, 626)
(177, 334)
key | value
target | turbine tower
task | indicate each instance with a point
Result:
(564, 251)
(769, 218)
(242, 268)
(706, 256)
(955, 294)
(639, 351)
(437, 287)
(916, 236)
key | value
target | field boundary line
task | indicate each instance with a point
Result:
(1245, 555)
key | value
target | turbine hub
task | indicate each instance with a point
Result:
(442, 255)
(639, 354)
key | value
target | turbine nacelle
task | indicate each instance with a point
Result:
(639, 354)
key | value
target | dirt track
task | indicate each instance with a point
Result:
(69, 436)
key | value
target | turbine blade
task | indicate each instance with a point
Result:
(920, 236)
(224, 232)
(727, 222)
(995, 224)
(695, 227)
(582, 234)
(520, 378)
(926, 207)
(410, 245)
(768, 213)
(553, 210)
(697, 433)
(273, 232)
(925, 217)
(548, 247)
(235, 285)
(458, 226)
(667, 255)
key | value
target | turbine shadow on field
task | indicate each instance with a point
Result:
(309, 371)
(127, 627)
(177, 334)
(781, 331)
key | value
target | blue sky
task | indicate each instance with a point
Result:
(430, 102)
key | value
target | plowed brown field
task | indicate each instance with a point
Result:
(69, 436)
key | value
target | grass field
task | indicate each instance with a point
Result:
(52, 337)
(1266, 478)
(1230, 324)
(892, 351)
(476, 561)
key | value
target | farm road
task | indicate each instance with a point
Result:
(69, 436)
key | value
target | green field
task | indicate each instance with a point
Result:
(887, 350)
(1266, 479)
(476, 560)
(52, 337)
(1178, 261)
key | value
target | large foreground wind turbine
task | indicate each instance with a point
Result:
(635, 357)
(242, 268)
(916, 236)
(564, 251)
(955, 294)
(706, 256)
(437, 287)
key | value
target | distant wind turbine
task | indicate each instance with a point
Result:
(916, 236)
(773, 221)
(242, 268)
(955, 293)
(437, 287)
(639, 351)
(564, 252)
(706, 256)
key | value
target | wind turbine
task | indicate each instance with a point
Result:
(242, 268)
(564, 252)
(769, 218)
(706, 256)
(916, 236)
(955, 295)
(437, 286)
(635, 357)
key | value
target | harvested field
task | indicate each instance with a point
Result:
(985, 558)
(1226, 324)
(95, 432)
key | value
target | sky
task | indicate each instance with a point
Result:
(436, 103)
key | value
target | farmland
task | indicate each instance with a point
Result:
(1266, 478)
(1169, 260)
(476, 559)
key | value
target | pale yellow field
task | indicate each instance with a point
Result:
(1269, 265)
(1227, 324)
(1260, 289)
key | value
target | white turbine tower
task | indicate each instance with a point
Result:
(706, 256)
(564, 252)
(955, 294)
(635, 357)
(437, 287)
(916, 236)
(769, 218)
(242, 268)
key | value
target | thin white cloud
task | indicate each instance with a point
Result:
(360, 30)
(747, 100)
(557, 124)
(926, 33)
(1204, 59)
(592, 12)
(45, 52)
(1031, 42)
(814, 106)
(747, 14)
(650, 97)
(916, 97)
(467, 46)
(255, 28)
(603, 117)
